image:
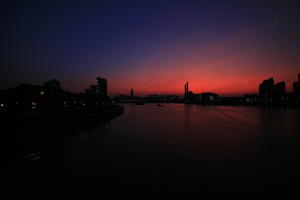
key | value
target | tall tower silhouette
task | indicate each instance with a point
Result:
(131, 93)
(186, 90)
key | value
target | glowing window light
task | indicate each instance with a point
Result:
(34, 104)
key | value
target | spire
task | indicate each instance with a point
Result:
(131, 93)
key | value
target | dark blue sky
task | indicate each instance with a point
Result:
(146, 44)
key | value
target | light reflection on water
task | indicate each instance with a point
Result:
(177, 151)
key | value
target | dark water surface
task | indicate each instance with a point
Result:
(175, 151)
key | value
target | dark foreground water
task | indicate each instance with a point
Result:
(175, 151)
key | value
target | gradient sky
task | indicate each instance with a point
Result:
(227, 47)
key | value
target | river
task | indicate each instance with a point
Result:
(173, 151)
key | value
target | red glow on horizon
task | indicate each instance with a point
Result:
(232, 65)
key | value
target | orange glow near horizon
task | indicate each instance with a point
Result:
(153, 47)
(233, 65)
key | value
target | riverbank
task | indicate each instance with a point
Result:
(26, 133)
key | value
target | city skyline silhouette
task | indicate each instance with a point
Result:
(150, 99)
(150, 46)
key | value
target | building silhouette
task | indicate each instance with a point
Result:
(102, 89)
(131, 96)
(50, 97)
(91, 96)
(204, 98)
(170, 98)
(296, 87)
(52, 84)
(279, 92)
(27, 97)
(186, 90)
(209, 97)
(250, 99)
(24, 97)
(266, 90)
(53, 95)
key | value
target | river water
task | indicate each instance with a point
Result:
(174, 151)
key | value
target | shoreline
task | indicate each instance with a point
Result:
(26, 134)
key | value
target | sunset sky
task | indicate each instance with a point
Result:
(154, 47)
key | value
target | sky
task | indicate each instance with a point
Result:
(154, 47)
